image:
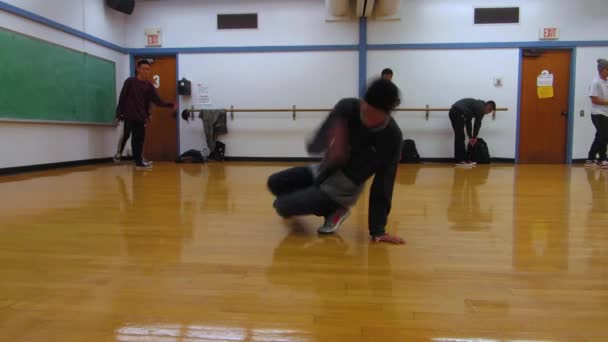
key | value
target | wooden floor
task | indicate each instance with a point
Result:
(196, 253)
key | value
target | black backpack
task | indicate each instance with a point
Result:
(191, 156)
(409, 153)
(218, 153)
(480, 152)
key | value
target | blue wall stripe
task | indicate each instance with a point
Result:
(517, 120)
(489, 45)
(58, 26)
(178, 117)
(571, 113)
(132, 65)
(364, 47)
(232, 49)
(362, 55)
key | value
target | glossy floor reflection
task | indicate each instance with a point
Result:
(196, 253)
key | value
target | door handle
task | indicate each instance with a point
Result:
(564, 113)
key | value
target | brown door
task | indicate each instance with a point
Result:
(543, 121)
(161, 132)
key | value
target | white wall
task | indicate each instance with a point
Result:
(40, 143)
(441, 77)
(256, 80)
(586, 70)
(470, 72)
(449, 21)
(311, 79)
(267, 80)
(190, 23)
(434, 77)
(90, 16)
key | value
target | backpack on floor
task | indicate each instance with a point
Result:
(191, 156)
(218, 153)
(480, 152)
(409, 153)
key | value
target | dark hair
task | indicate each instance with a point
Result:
(382, 94)
(387, 71)
(142, 61)
(492, 104)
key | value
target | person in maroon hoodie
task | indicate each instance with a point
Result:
(133, 107)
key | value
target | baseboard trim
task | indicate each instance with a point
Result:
(313, 159)
(451, 160)
(272, 159)
(85, 162)
(579, 161)
(52, 166)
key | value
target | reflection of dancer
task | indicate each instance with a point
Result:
(361, 140)
(153, 238)
(596, 233)
(464, 210)
(302, 261)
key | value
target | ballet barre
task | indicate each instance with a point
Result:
(293, 110)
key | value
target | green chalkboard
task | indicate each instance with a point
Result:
(47, 82)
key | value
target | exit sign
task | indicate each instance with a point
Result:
(549, 33)
(153, 37)
(152, 40)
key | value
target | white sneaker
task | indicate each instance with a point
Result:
(333, 222)
(143, 167)
(148, 162)
(591, 163)
(116, 158)
(464, 165)
(604, 165)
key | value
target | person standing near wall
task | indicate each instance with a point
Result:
(387, 74)
(598, 92)
(133, 107)
(461, 115)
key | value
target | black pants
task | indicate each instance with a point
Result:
(138, 132)
(297, 194)
(457, 119)
(601, 137)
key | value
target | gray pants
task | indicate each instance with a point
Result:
(298, 195)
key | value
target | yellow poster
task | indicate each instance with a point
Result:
(545, 92)
(544, 85)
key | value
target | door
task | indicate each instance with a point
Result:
(161, 131)
(543, 121)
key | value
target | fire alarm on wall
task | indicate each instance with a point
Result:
(498, 81)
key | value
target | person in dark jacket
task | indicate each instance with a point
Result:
(359, 140)
(462, 114)
(134, 109)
